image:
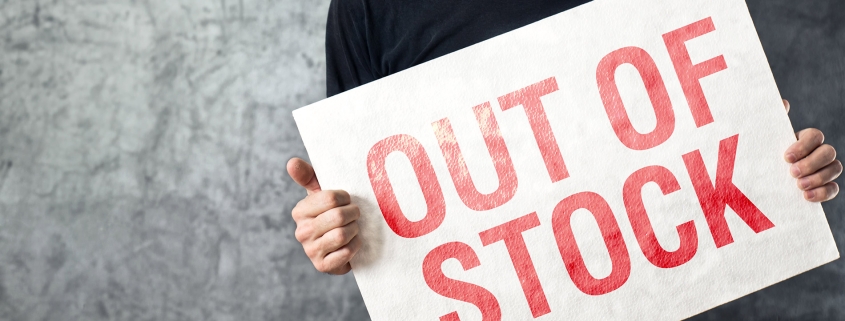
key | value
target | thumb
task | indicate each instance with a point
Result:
(303, 174)
(786, 105)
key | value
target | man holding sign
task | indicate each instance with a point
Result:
(605, 199)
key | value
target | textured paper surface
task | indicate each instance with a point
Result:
(340, 132)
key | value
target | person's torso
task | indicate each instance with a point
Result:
(406, 33)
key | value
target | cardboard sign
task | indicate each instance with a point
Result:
(618, 161)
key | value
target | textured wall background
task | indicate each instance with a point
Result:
(143, 143)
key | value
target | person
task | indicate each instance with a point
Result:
(370, 39)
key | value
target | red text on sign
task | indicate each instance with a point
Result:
(458, 168)
(511, 234)
(389, 206)
(459, 290)
(653, 251)
(572, 258)
(529, 98)
(714, 197)
(619, 120)
(690, 74)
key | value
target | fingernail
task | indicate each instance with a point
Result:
(809, 195)
(790, 158)
(794, 171)
(804, 183)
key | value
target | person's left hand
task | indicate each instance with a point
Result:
(814, 164)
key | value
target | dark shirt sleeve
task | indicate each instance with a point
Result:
(348, 60)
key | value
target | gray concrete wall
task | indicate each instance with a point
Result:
(143, 143)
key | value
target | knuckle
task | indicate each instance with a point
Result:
(805, 167)
(339, 238)
(321, 266)
(311, 252)
(340, 198)
(321, 198)
(816, 180)
(802, 150)
(331, 199)
(302, 233)
(299, 235)
(331, 238)
(334, 217)
(296, 212)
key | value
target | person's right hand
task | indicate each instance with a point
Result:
(326, 222)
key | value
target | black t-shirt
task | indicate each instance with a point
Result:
(370, 39)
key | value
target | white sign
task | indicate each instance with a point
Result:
(618, 161)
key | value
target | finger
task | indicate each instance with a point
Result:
(303, 174)
(341, 270)
(342, 256)
(334, 218)
(808, 140)
(318, 203)
(824, 176)
(822, 194)
(786, 105)
(337, 238)
(819, 158)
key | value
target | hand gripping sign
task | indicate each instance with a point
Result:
(618, 161)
